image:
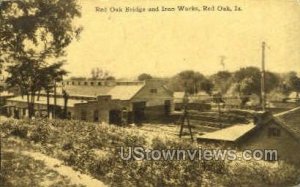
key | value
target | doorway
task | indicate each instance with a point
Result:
(115, 117)
(139, 111)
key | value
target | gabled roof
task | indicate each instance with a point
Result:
(125, 92)
(230, 134)
(291, 121)
(91, 91)
(293, 95)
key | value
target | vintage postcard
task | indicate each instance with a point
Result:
(155, 93)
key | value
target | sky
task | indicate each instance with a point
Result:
(165, 43)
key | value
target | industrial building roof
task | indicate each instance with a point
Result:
(122, 92)
(231, 134)
(125, 92)
(89, 91)
(291, 119)
(43, 100)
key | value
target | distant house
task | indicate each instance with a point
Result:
(280, 132)
(178, 97)
(200, 97)
(232, 102)
(111, 102)
(293, 97)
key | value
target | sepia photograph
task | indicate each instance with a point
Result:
(149, 93)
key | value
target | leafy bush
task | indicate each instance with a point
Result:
(254, 173)
(40, 133)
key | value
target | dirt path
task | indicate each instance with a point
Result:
(56, 165)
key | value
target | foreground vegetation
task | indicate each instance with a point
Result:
(21, 170)
(93, 149)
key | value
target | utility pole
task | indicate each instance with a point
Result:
(263, 78)
(0, 152)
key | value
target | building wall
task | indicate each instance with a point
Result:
(100, 107)
(156, 98)
(20, 109)
(286, 145)
(153, 93)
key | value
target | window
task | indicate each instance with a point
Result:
(274, 132)
(72, 83)
(85, 83)
(99, 83)
(92, 83)
(153, 90)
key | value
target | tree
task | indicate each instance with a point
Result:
(98, 73)
(190, 81)
(294, 82)
(49, 76)
(222, 81)
(33, 32)
(249, 82)
(144, 76)
(25, 75)
(66, 98)
(285, 82)
(110, 78)
(207, 86)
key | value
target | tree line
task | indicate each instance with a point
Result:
(243, 83)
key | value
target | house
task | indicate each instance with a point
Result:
(293, 97)
(201, 96)
(280, 132)
(100, 101)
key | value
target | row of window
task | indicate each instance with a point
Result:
(85, 83)
(103, 83)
